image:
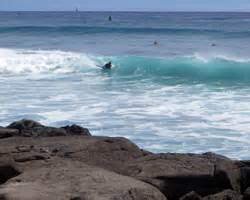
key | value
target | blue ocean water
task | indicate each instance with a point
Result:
(188, 93)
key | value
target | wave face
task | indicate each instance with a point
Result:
(193, 67)
(219, 68)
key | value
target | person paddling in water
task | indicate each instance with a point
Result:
(155, 43)
(107, 65)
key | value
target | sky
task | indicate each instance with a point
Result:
(126, 5)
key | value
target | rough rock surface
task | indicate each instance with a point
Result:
(34, 165)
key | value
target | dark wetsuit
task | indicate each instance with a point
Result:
(107, 65)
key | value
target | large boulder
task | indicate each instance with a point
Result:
(69, 180)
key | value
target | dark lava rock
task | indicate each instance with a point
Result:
(225, 195)
(24, 124)
(76, 130)
(29, 128)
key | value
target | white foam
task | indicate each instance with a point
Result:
(28, 61)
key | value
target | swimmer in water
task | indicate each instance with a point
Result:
(155, 43)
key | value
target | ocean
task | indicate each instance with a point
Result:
(188, 93)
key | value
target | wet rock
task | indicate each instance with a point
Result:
(225, 195)
(30, 128)
(76, 130)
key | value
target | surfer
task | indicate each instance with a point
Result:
(110, 18)
(107, 65)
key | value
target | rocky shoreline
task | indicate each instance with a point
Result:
(39, 162)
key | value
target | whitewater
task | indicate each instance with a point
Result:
(184, 95)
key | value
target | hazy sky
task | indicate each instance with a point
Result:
(139, 5)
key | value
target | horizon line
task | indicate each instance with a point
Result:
(172, 11)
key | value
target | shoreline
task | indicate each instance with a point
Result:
(40, 162)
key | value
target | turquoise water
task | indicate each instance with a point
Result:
(182, 95)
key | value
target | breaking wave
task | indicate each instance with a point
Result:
(193, 67)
